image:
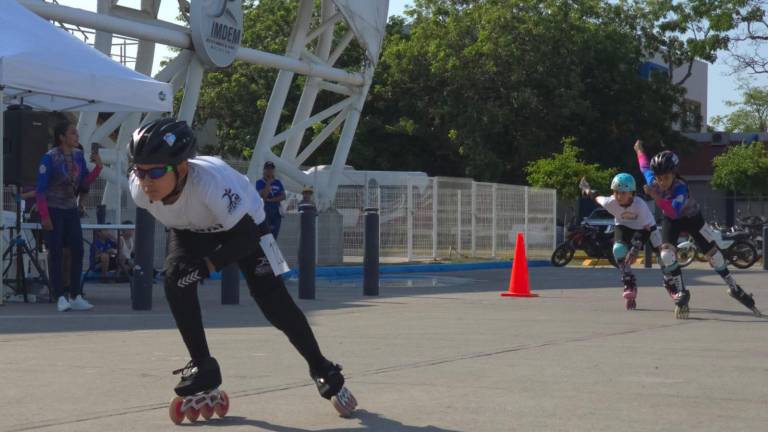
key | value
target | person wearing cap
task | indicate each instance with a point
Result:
(273, 193)
(306, 195)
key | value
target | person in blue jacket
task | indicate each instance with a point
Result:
(61, 175)
(273, 193)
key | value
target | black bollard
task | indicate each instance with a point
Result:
(101, 214)
(648, 255)
(765, 247)
(307, 251)
(230, 284)
(371, 254)
(143, 271)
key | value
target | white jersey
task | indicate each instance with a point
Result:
(214, 198)
(636, 216)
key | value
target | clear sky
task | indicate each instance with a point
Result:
(722, 85)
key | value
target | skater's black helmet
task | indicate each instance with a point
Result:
(664, 162)
(165, 141)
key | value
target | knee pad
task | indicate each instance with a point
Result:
(717, 261)
(668, 256)
(655, 238)
(620, 251)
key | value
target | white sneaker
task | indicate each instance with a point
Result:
(63, 304)
(79, 303)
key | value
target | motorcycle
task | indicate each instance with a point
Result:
(596, 243)
(754, 226)
(736, 246)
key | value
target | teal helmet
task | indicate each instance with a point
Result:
(623, 182)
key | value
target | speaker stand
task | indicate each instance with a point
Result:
(18, 285)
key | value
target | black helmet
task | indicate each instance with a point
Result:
(664, 162)
(164, 141)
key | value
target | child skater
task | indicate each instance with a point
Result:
(635, 225)
(682, 213)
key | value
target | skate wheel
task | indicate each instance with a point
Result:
(222, 408)
(681, 312)
(206, 411)
(192, 414)
(344, 402)
(174, 410)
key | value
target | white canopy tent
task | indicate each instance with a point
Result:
(49, 69)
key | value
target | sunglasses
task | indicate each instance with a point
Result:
(152, 173)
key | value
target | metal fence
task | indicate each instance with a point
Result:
(428, 218)
(450, 218)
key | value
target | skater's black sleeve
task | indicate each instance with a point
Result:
(240, 241)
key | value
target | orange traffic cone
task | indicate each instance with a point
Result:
(518, 281)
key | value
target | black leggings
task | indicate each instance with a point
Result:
(268, 290)
(672, 228)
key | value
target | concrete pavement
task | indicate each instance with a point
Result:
(431, 354)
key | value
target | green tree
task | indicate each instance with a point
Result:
(480, 88)
(743, 169)
(476, 88)
(751, 114)
(562, 172)
(684, 31)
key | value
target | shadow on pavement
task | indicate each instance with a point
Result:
(369, 421)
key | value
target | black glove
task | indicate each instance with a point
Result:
(190, 272)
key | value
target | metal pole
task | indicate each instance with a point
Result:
(525, 227)
(648, 258)
(765, 247)
(434, 218)
(143, 272)
(307, 256)
(493, 222)
(458, 225)
(191, 91)
(371, 254)
(474, 219)
(554, 218)
(409, 218)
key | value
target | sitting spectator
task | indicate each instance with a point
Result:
(104, 252)
(125, 259)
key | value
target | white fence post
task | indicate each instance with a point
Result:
(474, 222)
(525, 227)
(409, 219)
(434, 218)
(493, 221)
(458, 222)
(554, 219)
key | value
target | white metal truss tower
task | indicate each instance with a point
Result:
(311, 51)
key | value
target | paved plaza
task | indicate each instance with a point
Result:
(432, 353)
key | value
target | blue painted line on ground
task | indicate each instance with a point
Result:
(331, 271)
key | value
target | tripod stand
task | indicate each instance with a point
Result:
(19, 285)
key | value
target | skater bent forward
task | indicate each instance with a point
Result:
(215, 218)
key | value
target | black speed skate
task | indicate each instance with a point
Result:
(745, 299)
(198, 393)
(330, 384)
(630, 291)
(681, 299)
